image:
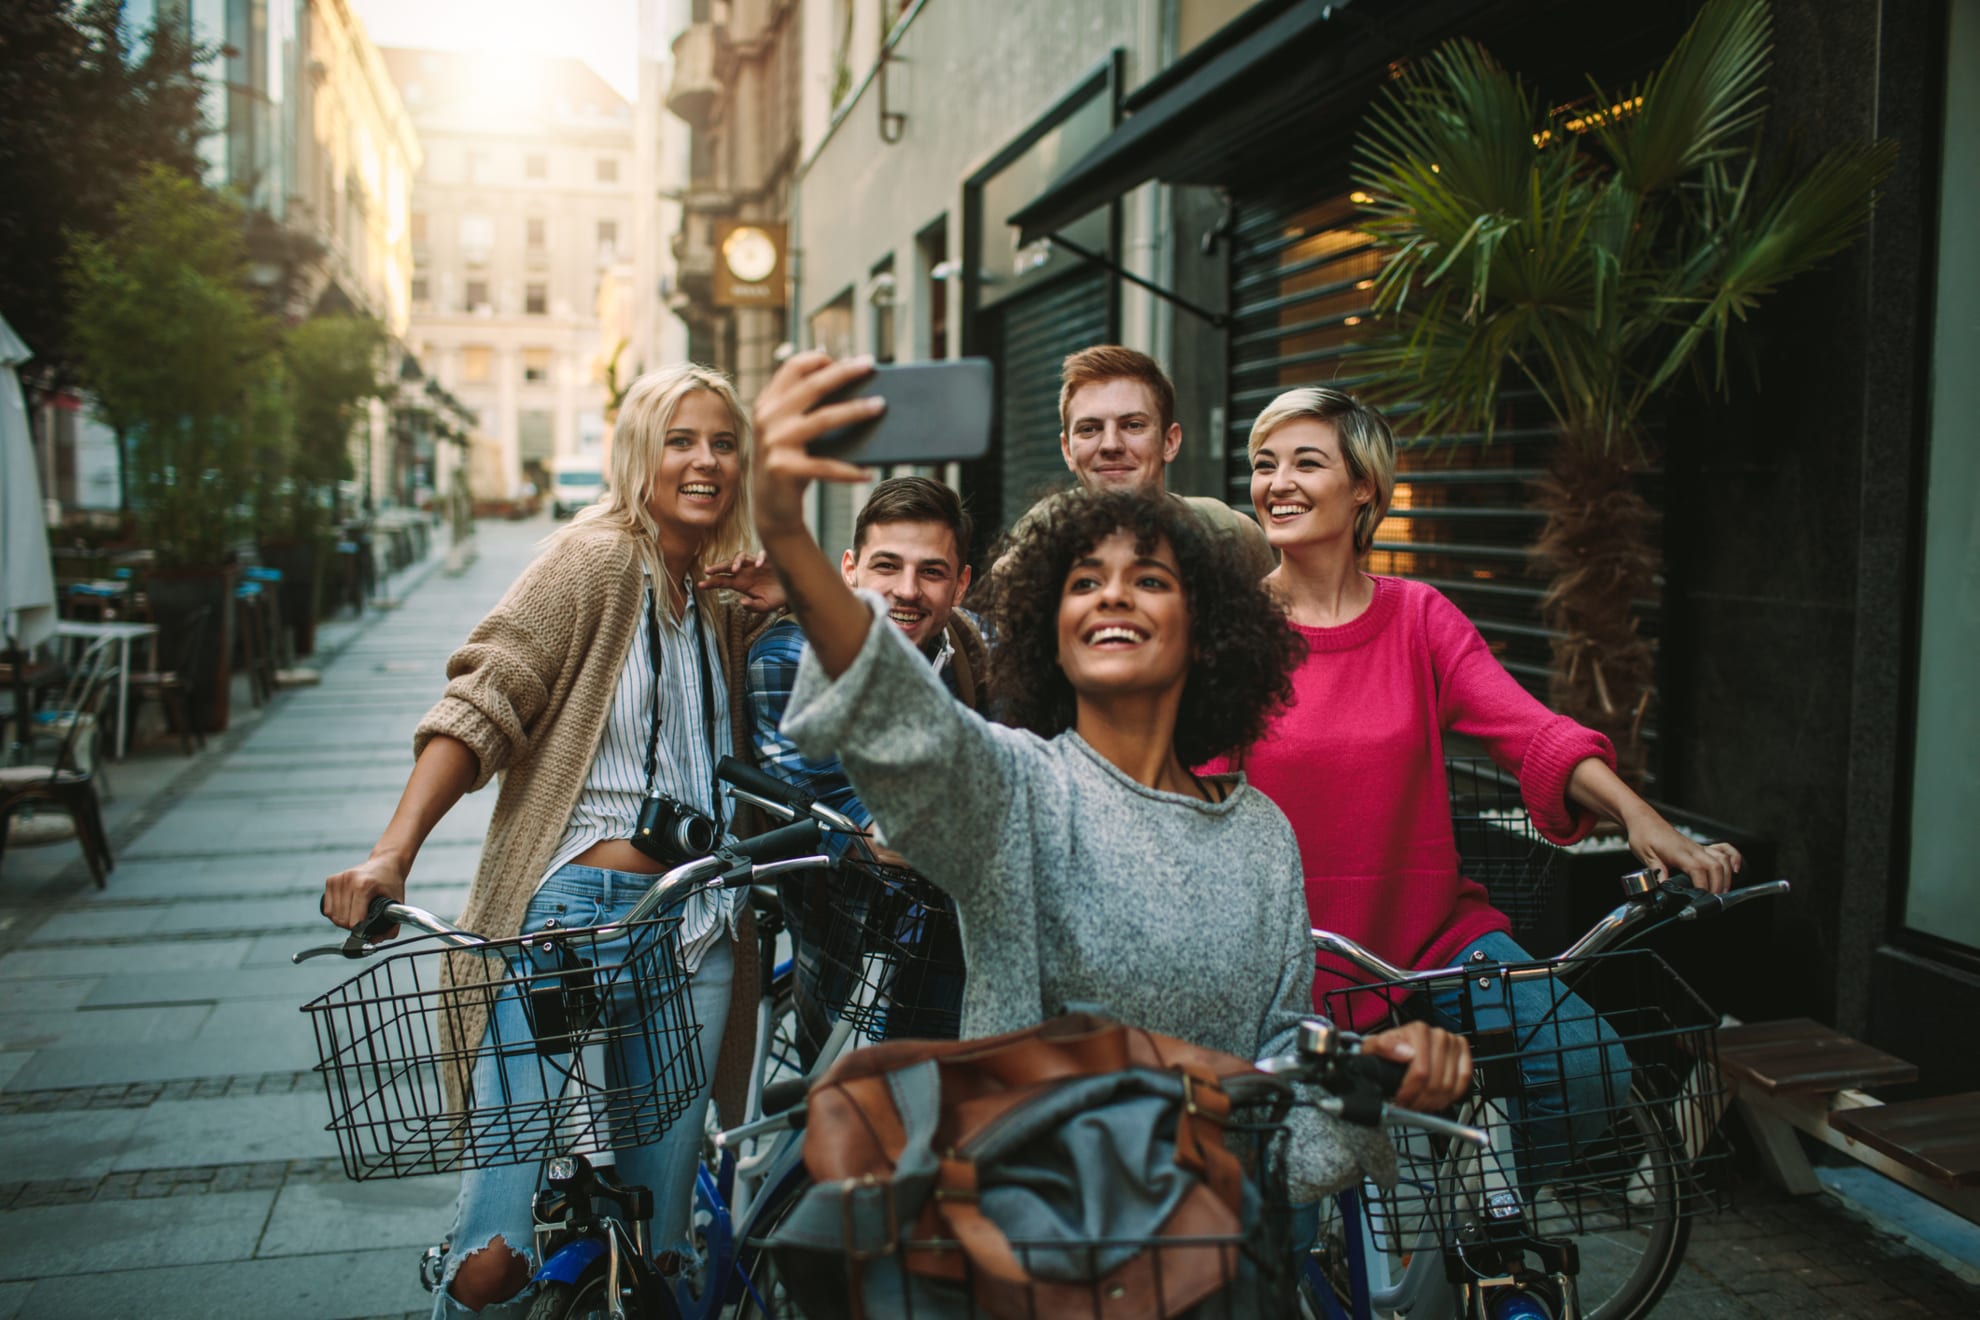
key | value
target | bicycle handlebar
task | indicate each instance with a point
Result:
(783, 800)
(382, 915)
(759, 785)
(763, 856)
(1359, 1086)
(1647, 900)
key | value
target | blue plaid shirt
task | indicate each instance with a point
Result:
(835, 922)
(773, 668)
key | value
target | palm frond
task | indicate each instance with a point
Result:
(1516, 256)
(1815, 217)
(1696, 107)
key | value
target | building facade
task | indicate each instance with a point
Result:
(311, 136)
(525, 203)
(1010, 181)
(351, 174)
(734, 82)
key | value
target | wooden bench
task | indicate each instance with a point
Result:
(1799, 1075)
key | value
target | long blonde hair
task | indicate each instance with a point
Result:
(638, 440)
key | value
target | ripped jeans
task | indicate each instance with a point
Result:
(496, 1202)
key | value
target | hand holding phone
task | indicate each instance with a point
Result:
(937, 412)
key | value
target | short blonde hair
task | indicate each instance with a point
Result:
(638, 440)
(1367, 443)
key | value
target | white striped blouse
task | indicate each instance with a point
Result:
(608, 805)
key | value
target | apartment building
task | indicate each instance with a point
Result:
(525, 203)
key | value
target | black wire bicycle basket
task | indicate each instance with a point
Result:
(1070, 1273)
(1497, 843)
(879, 945)
(1603, 1104)
(437, 1059)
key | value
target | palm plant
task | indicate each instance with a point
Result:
(1588, 258)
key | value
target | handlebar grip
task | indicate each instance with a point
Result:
(788, 841)
(1385, 1074)
(377, 919)
(751, 780)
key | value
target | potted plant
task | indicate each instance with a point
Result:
(171, 344)
(332, 368)
(1589, 258)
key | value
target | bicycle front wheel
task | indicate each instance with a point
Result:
(584, 1300)
(1632, 1213)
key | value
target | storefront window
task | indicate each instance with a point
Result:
(1940, 897)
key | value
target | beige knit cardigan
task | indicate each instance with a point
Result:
(529, 693)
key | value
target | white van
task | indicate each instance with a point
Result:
(575, 482)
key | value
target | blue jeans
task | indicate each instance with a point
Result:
(496, 1202)
(1574, 1072)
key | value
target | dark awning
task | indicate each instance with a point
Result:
(1246, 101)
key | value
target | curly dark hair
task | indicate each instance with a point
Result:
(1242, 654)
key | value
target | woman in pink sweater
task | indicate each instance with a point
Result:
(1356, 760)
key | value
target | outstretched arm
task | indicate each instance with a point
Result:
(788, 417)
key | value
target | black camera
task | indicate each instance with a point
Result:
(671, 831)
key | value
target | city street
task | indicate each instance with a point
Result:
(163, 1135)
(165, 1152)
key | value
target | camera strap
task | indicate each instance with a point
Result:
(707, 695)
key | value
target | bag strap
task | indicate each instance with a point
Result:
(864, 1216)
(1200, 1148)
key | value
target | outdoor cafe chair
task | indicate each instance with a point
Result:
(63, 786)
(92, 683)
(172, 688)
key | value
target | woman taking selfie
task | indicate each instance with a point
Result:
(600, 680)
(1087, 862)
(1386, 668)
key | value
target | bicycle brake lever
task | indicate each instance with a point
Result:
(1436, 1125)
(325, 950)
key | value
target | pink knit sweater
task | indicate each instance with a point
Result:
(1357, 764)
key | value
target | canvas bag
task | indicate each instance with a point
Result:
(1076, 1129)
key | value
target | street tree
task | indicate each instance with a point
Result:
(334, 366)
(1594, 260)
(168, 338)
(86, 109)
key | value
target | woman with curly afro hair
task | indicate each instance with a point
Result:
(1086, 860)
(1239, 652)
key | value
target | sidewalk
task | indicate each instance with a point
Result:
(162, 1151)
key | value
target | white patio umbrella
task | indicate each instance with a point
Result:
(27, 579)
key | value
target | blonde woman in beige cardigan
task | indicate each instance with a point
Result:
(556, 691)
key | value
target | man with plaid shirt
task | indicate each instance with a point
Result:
(909, 546)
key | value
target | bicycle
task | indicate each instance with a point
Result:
(585, 1010)
(1603, 1213)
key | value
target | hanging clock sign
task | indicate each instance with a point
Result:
(749, 263)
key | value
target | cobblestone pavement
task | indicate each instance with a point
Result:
(162, 1151)
(1775, 1255)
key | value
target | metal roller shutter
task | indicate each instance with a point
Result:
(1301, 277)
(1035, 332)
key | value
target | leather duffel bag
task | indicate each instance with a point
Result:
(1079, 1167)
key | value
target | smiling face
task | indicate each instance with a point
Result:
(700, 471)
(1123, 620)
(1302, 488)
(1114, 437)
(916, 566)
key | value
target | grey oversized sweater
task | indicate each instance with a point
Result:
(1075, 883)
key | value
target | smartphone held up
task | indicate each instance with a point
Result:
(937, 412)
